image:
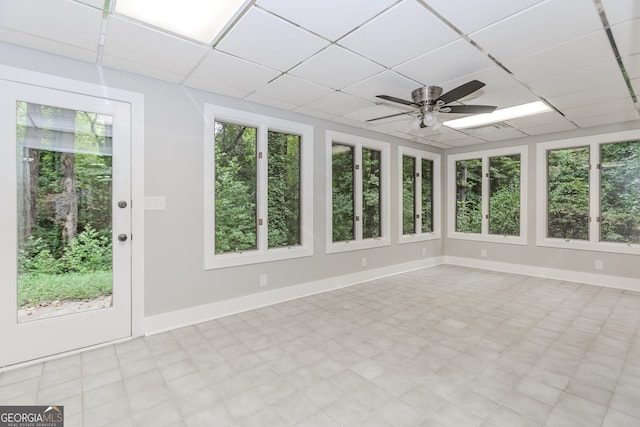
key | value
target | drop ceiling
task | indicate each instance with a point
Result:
(330, 58)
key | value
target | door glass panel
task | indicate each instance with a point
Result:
(64, 164)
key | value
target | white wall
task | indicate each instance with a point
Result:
(174, 138)
(175, 277)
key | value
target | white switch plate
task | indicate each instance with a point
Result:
(155, 203)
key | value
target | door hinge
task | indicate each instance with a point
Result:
(357, 167)
(260, 221)
(260, 154)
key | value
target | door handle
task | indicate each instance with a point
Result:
(122, 237)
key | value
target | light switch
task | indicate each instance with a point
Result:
(154, 203)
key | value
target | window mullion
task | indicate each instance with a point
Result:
(262, 202)
(357, 191)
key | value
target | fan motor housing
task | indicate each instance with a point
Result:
(429, 93)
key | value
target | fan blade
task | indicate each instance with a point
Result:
(470, 109)
(398, 100)
(461, 91)
(386, 117)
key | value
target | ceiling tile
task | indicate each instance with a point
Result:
(506, 97)
(539, 27)
(608, 118)
(570, 57)
(449, 62)
(130, 43)
(209, 86)
(599, 74)
(607, 107)
(465, 141)
(338, 103)
(314, 113)
(627, 37)
(586, 97)
(385, 83)
(265, 100)
(98, 4)
(329, 18)
(143, 69)
(75, 31)
(226, 70)
(293, 90)
(322, 68)
(495, 79)
(551, 117)
(265, 39)
(618, 11)
(549, 128)
(401, 33)
(372, 112)
(471, 15)
(495, 133)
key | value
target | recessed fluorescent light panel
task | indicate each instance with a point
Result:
(501, 115)
(200, 20)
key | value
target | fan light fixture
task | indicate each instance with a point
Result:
(200, 20)
(428, 119)
(500, 115)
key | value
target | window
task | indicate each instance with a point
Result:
(589, 197)
(488, 195)
(419, 196)
(259, 206)
(357, 184)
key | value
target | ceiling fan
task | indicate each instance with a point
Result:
(430, 101)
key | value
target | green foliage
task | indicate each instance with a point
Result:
(568, 193)
(371, 196)
(408, 195)
(37, 288)
(284, 227)
(620, 192)
(504, 199)
(469, 196)
(90, 251)
(343, 192)
(235, 188)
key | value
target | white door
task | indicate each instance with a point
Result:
(65, 221)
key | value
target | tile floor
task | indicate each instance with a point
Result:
(440, 347)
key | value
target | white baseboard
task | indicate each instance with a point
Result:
(202, 313)
(604, 280)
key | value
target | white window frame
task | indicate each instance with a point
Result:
(359, 143)
(420, 155)
(484, 235)
(594, 243)
(263, 124)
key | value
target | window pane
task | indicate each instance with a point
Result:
(371, 200)
(408, 195)
(235, 188)
(504, 197)
(64, 227)
(343, 192)
(284, 190)
(620, 192)
(469, 196)
(568, 193)
(427, 196)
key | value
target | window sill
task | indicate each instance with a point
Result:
(255, 257)
(621, 248)
(353, 245)
(491, 238)
(421, 237)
